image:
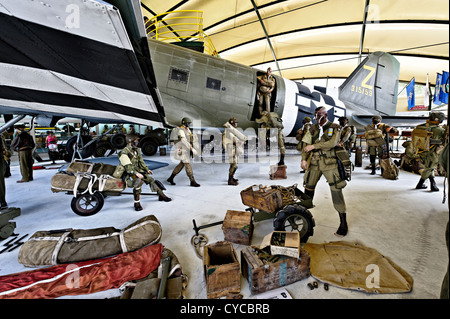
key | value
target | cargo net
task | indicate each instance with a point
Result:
(288, 194)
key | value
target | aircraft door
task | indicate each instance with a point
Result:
(274, 103)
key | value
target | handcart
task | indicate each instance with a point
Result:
(89, 184)
(287, 206)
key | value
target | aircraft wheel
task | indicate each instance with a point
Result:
(70, 146)
(295, 218)
(87, 204)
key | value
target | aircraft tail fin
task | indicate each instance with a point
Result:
(373, 85)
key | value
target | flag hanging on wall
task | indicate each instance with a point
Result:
(410, 94)
(437, 89)
(426, 96)
(443, 93)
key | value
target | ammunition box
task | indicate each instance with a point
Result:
(221, 268)
(265, 275)
(238, 227)
(268, 200)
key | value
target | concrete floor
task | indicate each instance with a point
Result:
(402, 223)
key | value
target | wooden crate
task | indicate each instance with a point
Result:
(221, 268)
(277, 172)
(268, 199)
(238, 227)
(264, 276)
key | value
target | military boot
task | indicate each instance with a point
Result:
(170, 179)
(373, 166)
(232, 181)
(281, 162)
(420, 184)
(193, 182)
(433, 185)
(309, 193)
(163, 197)
(343, 228)
(137, 203)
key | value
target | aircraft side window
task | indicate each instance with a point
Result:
(179, 75)
(213, 84)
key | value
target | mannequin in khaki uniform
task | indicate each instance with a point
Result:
(319, 158)
(137, 172)
(268, 121)
(266, 85)
(348, 135)
(233, 142)
(374, 149)
(430, 158)
(24, 144)
(186, 142)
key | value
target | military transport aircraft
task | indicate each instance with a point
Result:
(92, 60)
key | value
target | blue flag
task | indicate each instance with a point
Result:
(437, 89)
(410, 94)
(443, 93)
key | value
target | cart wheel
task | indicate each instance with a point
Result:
(87, 204)
(295, 218)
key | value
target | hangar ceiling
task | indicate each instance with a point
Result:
(306, 39)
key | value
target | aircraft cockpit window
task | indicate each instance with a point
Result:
(179, 75)
(213, 84)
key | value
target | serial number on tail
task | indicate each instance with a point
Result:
(361, 90)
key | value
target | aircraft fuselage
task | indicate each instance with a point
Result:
(212, 90)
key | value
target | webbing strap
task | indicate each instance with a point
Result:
(58, 247)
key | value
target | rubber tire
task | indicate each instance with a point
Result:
(296, 210)
(148, 148)
(101, 149)
(84, 154)
(118, 140)
(97, 198)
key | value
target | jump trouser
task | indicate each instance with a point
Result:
(187, 166)
(430, 162)
(26, 164)
(326, 166)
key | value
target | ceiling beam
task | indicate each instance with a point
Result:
(267, 36)
(363, 30)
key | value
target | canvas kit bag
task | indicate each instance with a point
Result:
(55, 247)
(421, 139)
(82, 177)
(374, 137)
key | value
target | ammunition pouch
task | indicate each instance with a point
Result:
(118, 172)
(344, 163)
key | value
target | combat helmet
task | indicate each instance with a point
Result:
(186, 120)
(342, 120)
(131, 138)
(437, 117)
(376, 118)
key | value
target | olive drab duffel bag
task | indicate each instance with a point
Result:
(55, 247)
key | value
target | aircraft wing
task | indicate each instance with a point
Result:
(401, 121)
(84, 59)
